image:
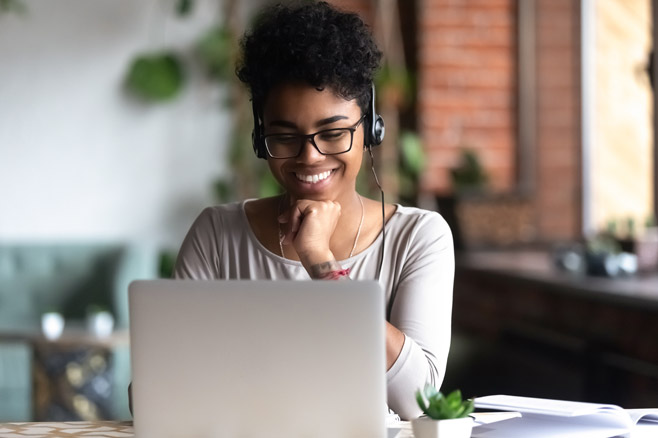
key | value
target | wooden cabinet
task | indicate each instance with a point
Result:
(523, 327)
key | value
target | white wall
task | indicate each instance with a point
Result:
(79, 159)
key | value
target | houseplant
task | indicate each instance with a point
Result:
(13, 6)
(445, 416)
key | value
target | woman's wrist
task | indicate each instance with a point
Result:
(328, 270)
(316, 259)
(323, 266)
(318, 270)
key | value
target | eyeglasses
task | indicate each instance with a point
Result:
(327, 142)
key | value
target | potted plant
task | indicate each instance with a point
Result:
(445, 416)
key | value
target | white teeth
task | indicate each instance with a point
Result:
(313, 178)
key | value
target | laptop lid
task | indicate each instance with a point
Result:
(257, 358)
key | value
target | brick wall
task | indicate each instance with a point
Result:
(467, 62)
(467, 87)
(468, 93)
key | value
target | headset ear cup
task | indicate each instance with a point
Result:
(376, 127)
(379, 130)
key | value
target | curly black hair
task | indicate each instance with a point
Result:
(313, 43)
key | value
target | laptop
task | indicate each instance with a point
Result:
(257, 358)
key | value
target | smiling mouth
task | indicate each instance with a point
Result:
(314, 178)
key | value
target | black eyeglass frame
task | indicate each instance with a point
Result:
(304, 137)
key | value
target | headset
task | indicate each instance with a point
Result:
(374, 128)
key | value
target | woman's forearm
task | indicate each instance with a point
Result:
(394, 344)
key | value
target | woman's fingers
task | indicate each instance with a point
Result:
(316, 220)
(296, 216)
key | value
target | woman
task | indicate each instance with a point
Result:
(309, 69)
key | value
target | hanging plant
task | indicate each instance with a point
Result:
(155, 77)
(13, 6)
(215, 49)
(184, 7)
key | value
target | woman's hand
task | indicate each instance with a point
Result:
(308, 225)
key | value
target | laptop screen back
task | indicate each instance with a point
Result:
(257, 358)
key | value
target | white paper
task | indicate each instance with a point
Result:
(541, 405)
(543, 427)
(492, 417)
(545, 418)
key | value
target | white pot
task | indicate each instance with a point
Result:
(425, 427)
(52, 325)
(100, 324)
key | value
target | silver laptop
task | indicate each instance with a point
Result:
(257, 358)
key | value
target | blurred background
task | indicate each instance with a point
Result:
(528, 124)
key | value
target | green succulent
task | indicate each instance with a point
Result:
(439, 407)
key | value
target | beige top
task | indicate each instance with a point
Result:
(417, 276)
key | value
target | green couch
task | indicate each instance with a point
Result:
(69, 278)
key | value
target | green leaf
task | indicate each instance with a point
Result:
(435, 411)
(421, 401)
(155, 77)
(454, 399)
(184, 7)
(459, 411)
(413, 155)
(215, 48)
(469, 175)
(13, 6)
(431, 392)
(223, 189)
(167, 263)
(469, 407)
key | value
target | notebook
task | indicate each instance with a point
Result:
(547, 418)
(257, 358)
